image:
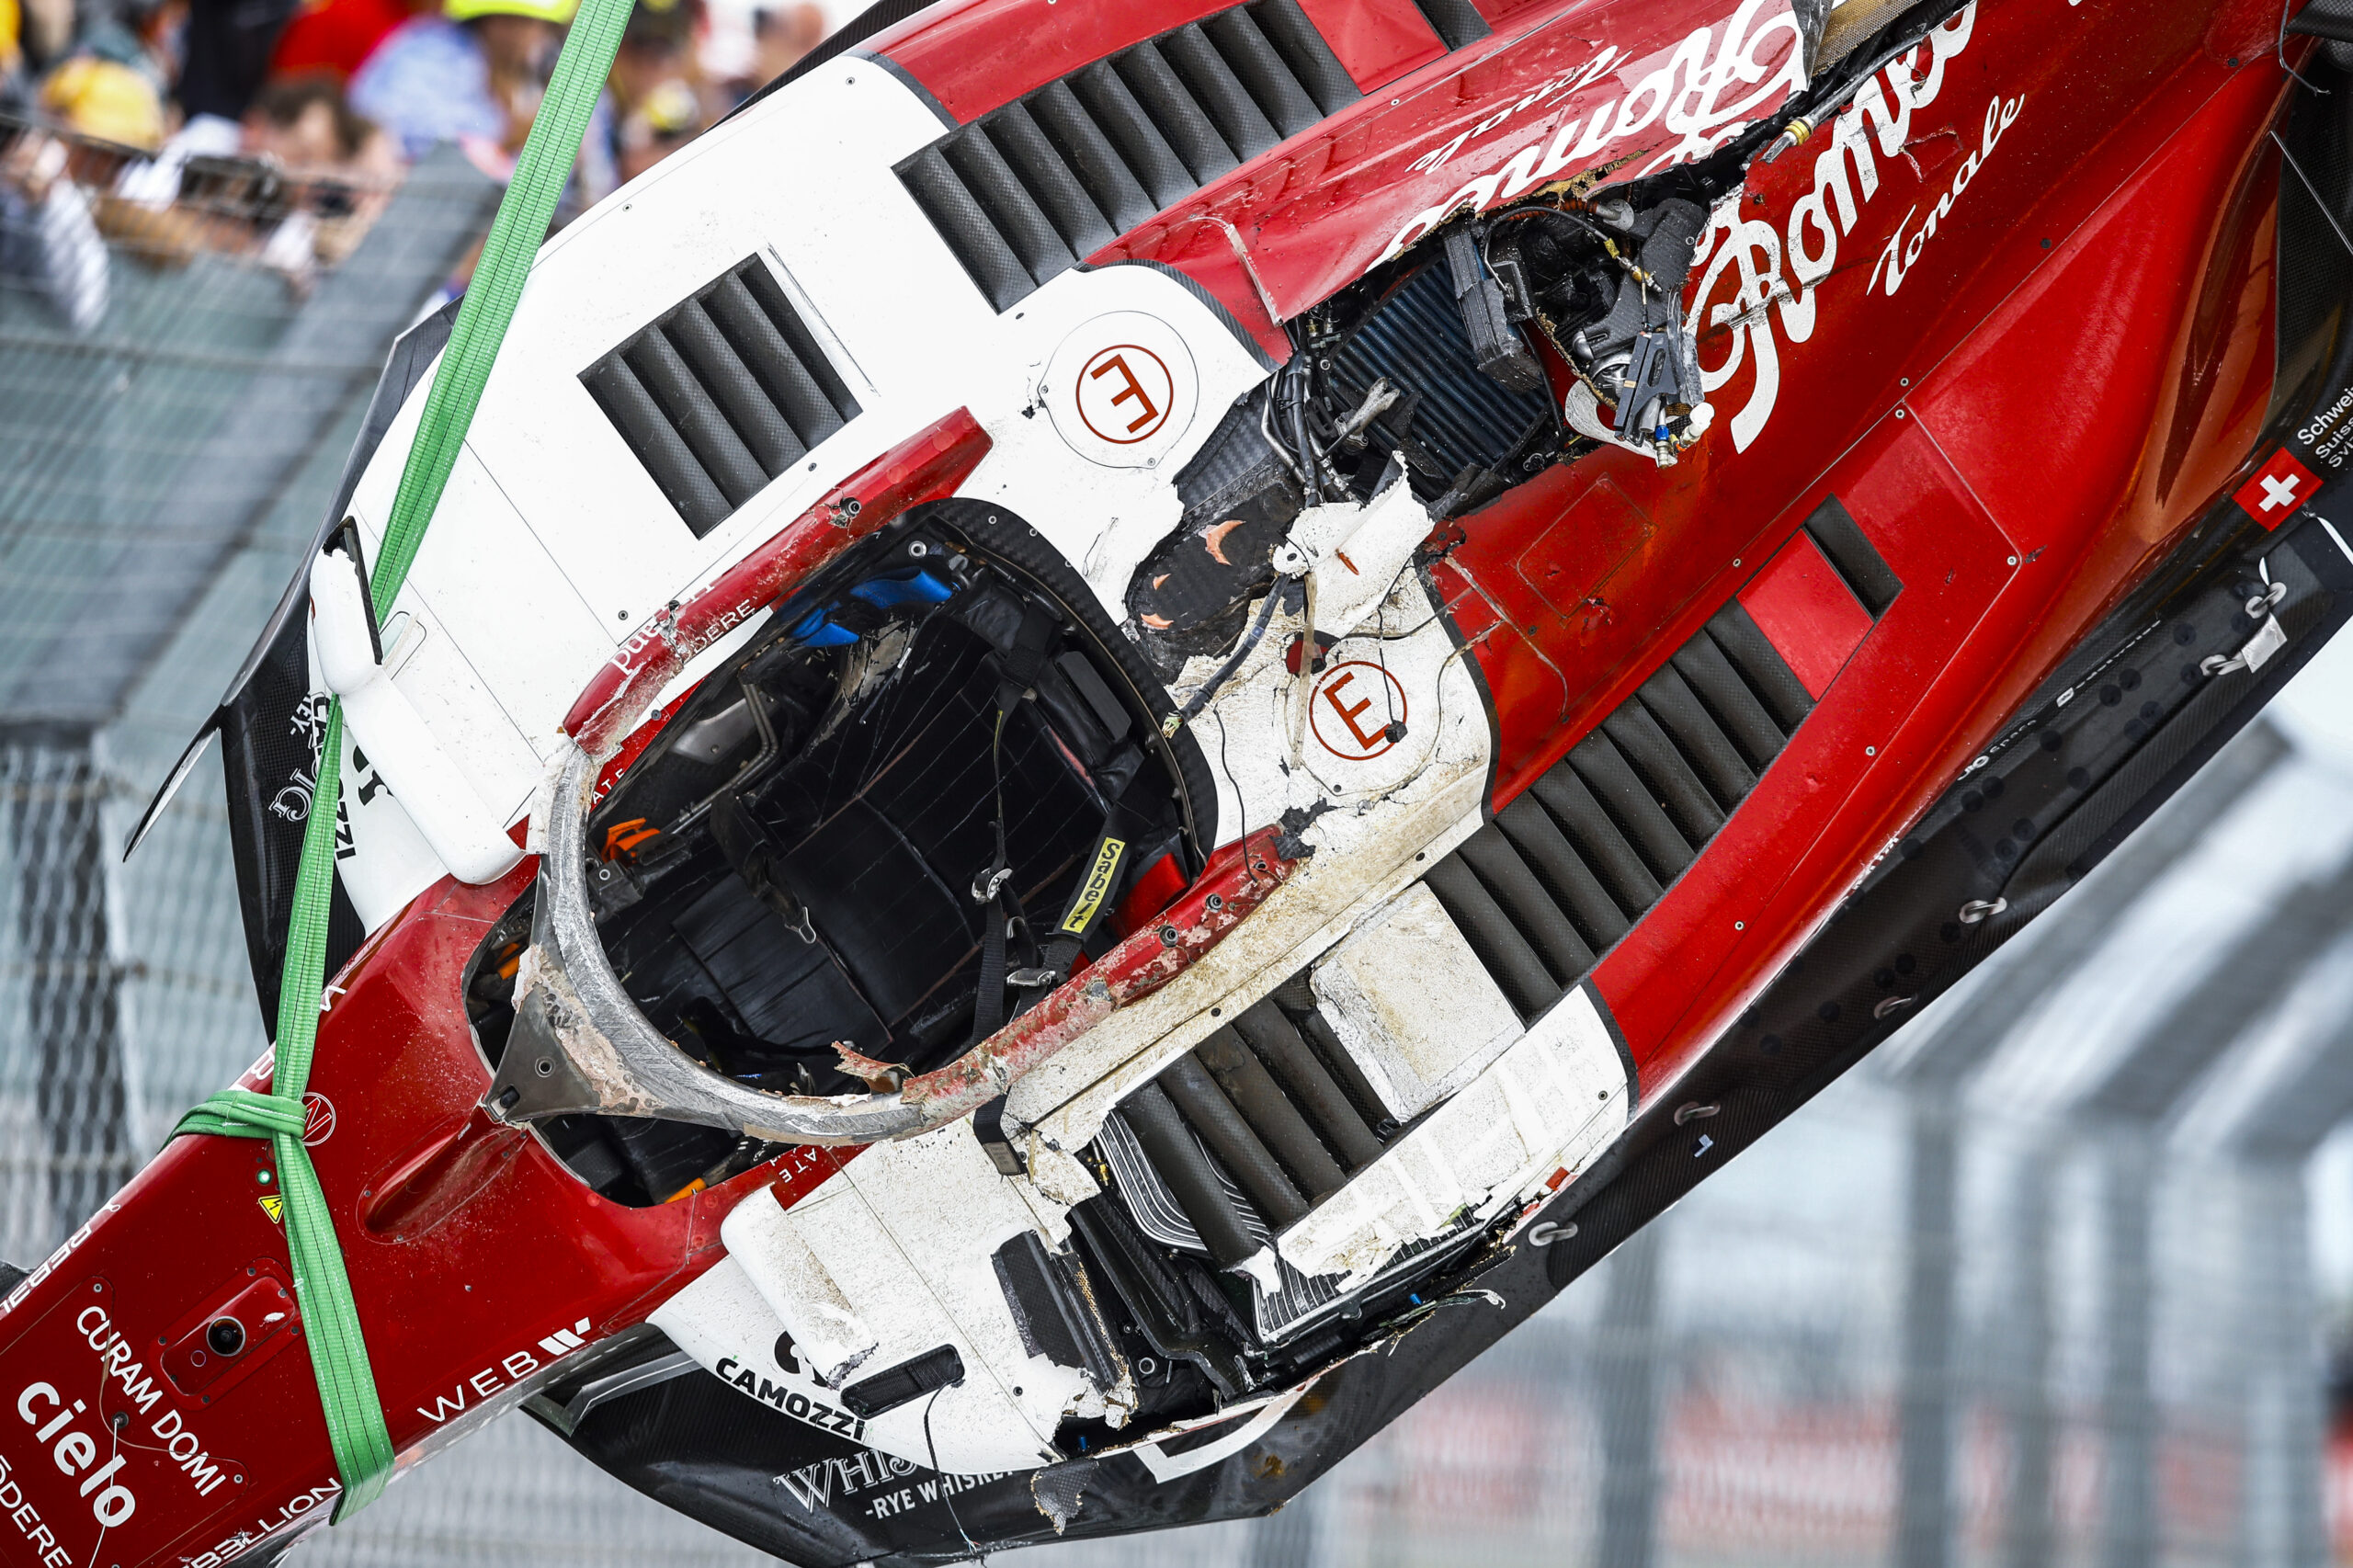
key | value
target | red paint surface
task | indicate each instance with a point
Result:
(973, 55)
(2163, 218)
(1807, 612)
(1378, 41)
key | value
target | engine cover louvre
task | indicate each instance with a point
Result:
(1029, 191)
(1568, 867)
(722, 393)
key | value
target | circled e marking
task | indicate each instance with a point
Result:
(1351, 714)
(1124, 393)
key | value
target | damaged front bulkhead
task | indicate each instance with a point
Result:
(1110, 743)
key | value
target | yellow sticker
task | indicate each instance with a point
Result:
(1096, 889)
(273, 1205)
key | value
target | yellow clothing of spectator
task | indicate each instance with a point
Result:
(101, 100)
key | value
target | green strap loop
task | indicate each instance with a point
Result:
(241, 1113)
(356, 1431)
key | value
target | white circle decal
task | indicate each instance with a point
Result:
(1122, 390)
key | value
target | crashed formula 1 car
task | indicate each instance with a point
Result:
(1128, 719)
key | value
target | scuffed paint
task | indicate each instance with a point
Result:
(1553, 1100)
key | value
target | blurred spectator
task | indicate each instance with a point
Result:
(105, 99)
(656, 49)
(227, 53)
(49, 243)
(473, 75)
(146, 36)
(305, 124)
(12, 57)
(44, 29)
(116, 83)
(779, 38)
(296, 182)
(667, 119)
(335, 38)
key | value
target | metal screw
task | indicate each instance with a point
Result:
(1168, 936)
(1871, 751)
(2014, 560)
(1215, 902)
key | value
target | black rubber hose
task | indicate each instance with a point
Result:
(1272, 1036)
(1271, 1114)
(1229, 1134)
(1284, 590)
(1169, 1144)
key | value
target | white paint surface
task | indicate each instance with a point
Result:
(1553, 1100)
(1413, 1004)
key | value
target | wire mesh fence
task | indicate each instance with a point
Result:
(1952, 1315)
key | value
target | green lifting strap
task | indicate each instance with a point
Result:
(355, 1427)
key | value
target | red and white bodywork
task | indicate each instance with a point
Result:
(1971, 369)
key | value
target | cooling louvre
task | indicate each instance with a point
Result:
(1026, 191)
(1582, 853)
(1250, 1130)
(721, 394)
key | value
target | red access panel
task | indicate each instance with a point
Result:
(1807, 612)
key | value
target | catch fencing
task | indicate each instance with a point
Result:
(2031, 1288)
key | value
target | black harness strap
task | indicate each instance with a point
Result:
(1002, 917)
(748, 849)
(1108, 869)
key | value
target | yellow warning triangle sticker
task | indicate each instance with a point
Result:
(274, 1206)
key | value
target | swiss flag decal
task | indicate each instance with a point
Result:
(2278, 488)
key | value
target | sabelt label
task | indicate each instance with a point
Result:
(1096, 889)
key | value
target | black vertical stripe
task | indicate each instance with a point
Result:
(1851, 551)
(1073, 135)
(1035, 186)
(1278, 1042)
(1566, 876)
(1729, 701)
(1761, 665)
(713, 441)
(1575, 862)
(1229, 1137)
(1041, 251)
(1457, 22)
(1521, 894)
(1270, 1113)
(1505, 955)
(721, 394)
